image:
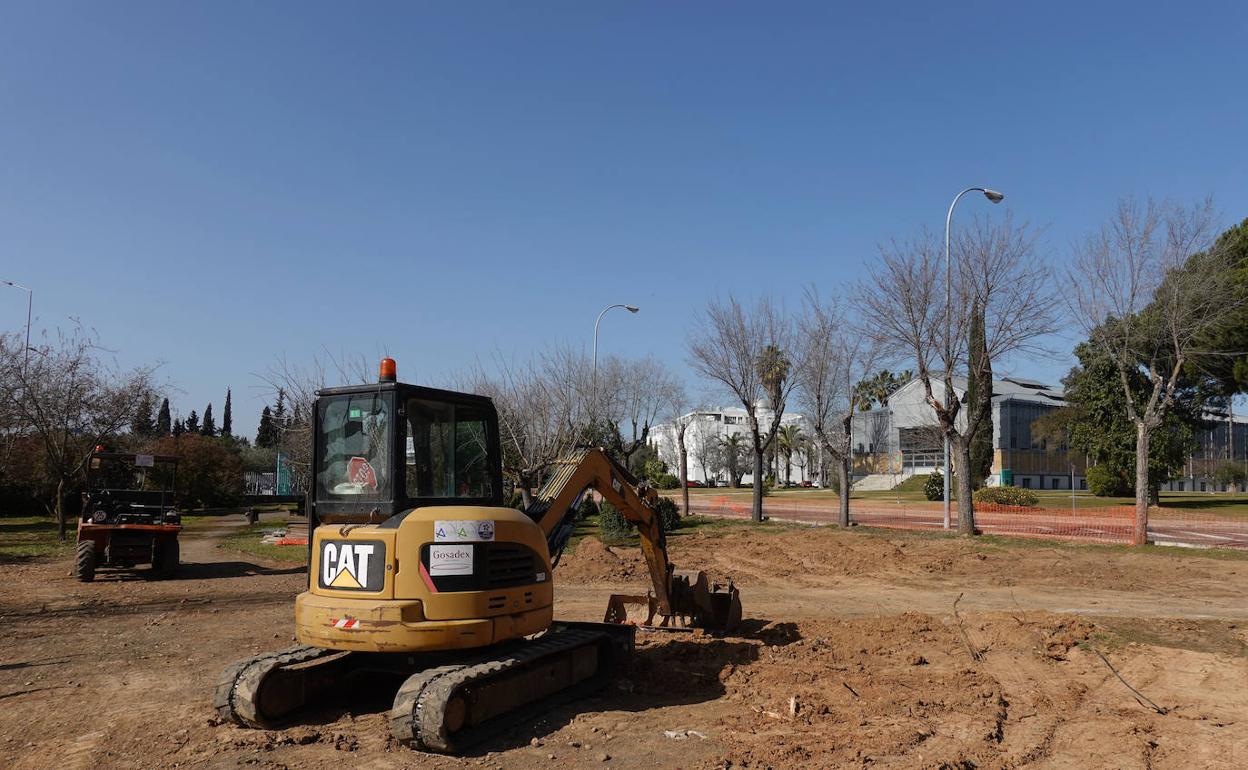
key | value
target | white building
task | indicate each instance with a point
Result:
(708, 434)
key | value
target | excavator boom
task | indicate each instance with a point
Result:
(680, 598)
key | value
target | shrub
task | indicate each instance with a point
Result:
(1104, 482)
(615, 527)
(669, 514)
(612, 523)
(586, 508)
(666, 481)
(653, 468)
(516, 501)
(1007, 496)
(934, 487)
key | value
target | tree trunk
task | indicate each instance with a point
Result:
(526, 497)
(684, 476)
(1140, 535)
(756, 511)
(961, 473)
(842, 469)
(60, 507)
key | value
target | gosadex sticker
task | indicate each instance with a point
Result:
(469, 531)
(450, 560)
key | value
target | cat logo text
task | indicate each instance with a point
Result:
(353, 565)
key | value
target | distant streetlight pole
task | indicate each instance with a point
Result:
(629, 308)
(30, 300)
(995, 197)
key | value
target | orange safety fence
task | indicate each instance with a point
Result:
(1093, 524)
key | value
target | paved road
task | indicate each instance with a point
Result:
(1185, 529)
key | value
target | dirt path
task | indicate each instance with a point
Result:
(852, 655)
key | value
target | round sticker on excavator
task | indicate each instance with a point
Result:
(360, 471)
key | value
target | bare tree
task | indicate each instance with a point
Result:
(293, 387)
(745, 351)
(836, 358)
(72, 396)
(639, 392)
(998, 267)
(705, 445)
(680, 416)
(1145, 288)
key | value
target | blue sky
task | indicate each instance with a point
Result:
(216, 185)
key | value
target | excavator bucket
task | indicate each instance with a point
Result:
(695, 603)
(631, 610)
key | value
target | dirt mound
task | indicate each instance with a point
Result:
(593, 562)
(904, 691)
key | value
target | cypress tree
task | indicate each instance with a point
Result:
(178, 428)
(192, 422)
(164, 424)
(264, 434)
(209, 426)
(142, 424)
(279, 411)
(979, 396)
(227, 416)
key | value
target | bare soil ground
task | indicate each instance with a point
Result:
(856, 652)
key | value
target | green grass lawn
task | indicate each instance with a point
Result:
(247, 540)
(32, 537)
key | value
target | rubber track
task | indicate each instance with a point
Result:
(235, 694)
(418, 716)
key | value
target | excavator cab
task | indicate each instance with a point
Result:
(381, 450)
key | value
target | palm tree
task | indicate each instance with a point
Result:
(773, 369)
(790, 440)
(734, 447)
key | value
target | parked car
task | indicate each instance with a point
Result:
(808, 483)
(694, 484)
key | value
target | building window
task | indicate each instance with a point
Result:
(1026, 482)
(1057, 483)
(1083, 484)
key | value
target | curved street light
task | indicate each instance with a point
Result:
(30, 299)
(995, 197)
(594, 384)
(629, 308)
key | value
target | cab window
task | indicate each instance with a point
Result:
(447, 451)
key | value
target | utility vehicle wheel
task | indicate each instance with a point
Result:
(167, 557)
(84, 565)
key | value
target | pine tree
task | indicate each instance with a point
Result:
(279, 411)
(141, 424)
(178, 428)
(264, 434)
(209, 426)
(192, 422)
(227, 416)
(164, 424)
(979, 396)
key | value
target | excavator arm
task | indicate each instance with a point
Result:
(679, 598)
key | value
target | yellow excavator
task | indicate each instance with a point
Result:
(417, 570)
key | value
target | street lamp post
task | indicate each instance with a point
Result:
(30, 300)
(995, 197)
(629, 308)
